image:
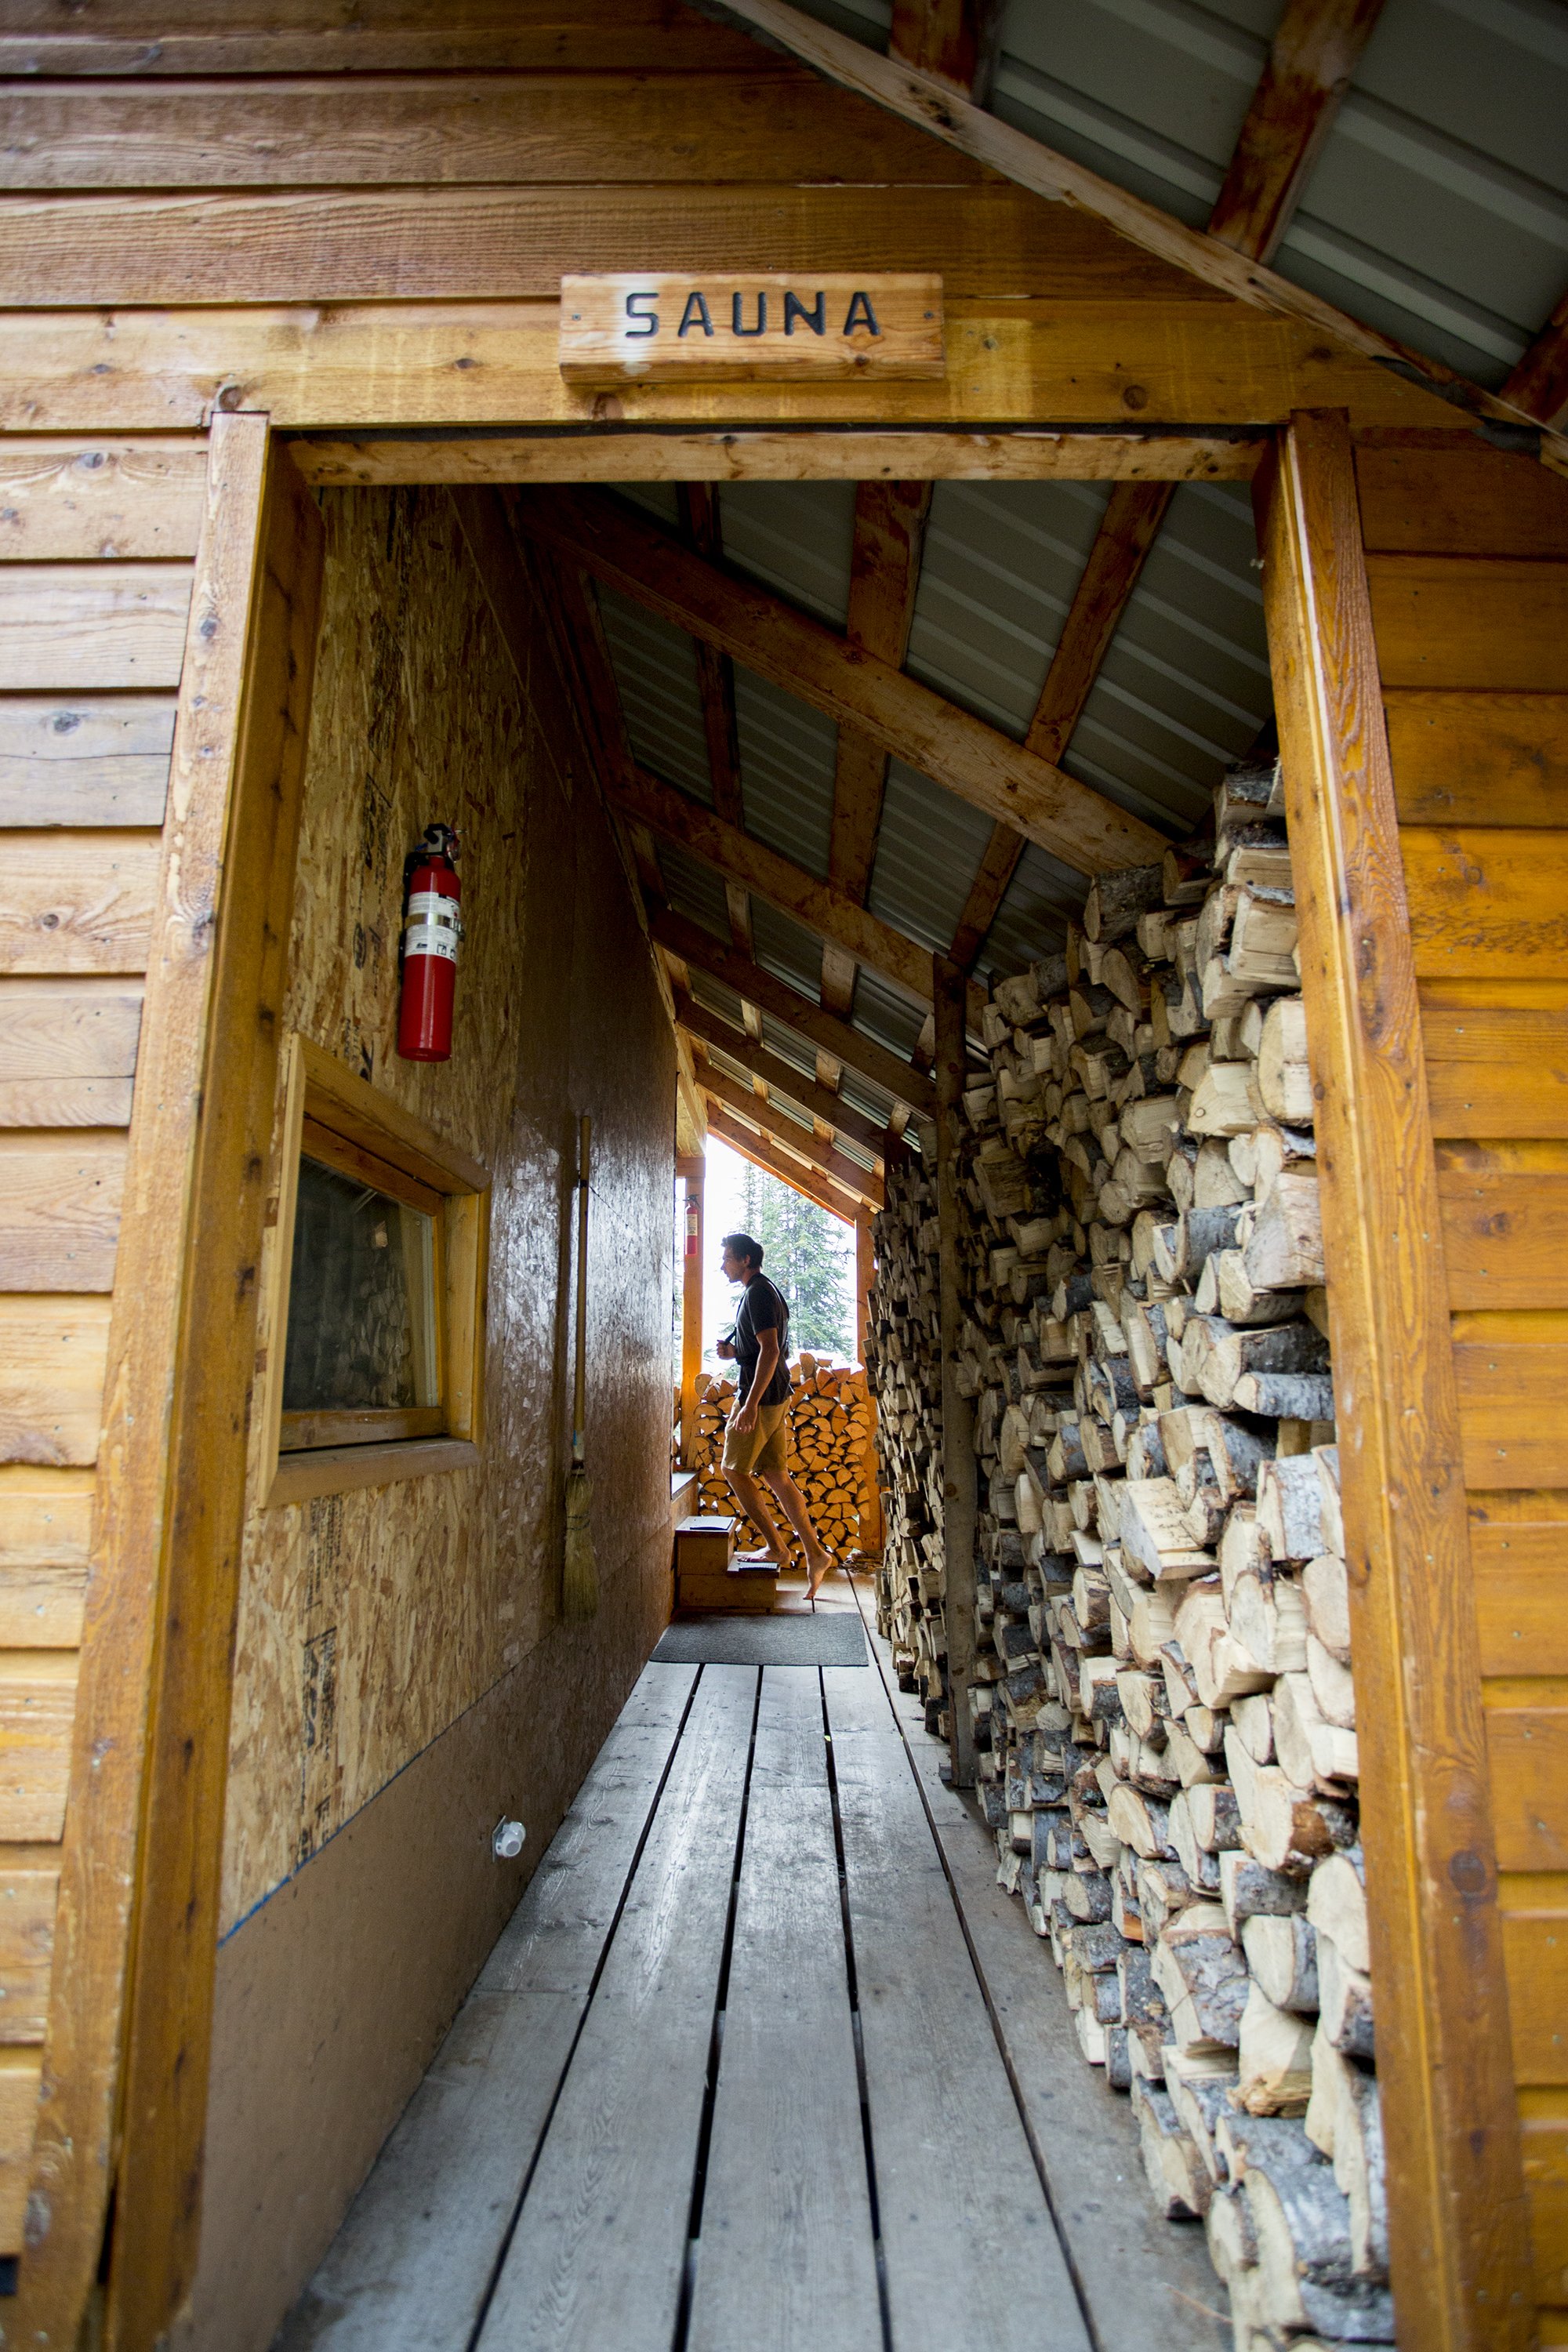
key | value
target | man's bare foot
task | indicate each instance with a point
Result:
(816, 1571)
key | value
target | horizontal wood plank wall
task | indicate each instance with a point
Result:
(1468, 559)
(238, 206)
(96, 547)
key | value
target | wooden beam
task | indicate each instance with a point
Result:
(1127, 528)
(958, 1468)
(785, 1005)
(919, 97)
(1313, 55)
(884, 574)
(693, 1177)
(791, 650)
(764, 1153)
(779, 1077)
(612, 454)
(954, 41)
(1455, 2200)
(716, 691)
(1539, 385)
(762, 1113)
(1309, 70)
(789, 887)
(998, 864)
(129, 2029)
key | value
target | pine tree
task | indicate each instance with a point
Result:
(804, 1257)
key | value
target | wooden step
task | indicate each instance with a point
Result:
(705, 1542)
(743, 1586)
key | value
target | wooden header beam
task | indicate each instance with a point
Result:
(703, 953)
(852, 687)
(616, 454)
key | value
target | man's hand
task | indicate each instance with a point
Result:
(745, 1418)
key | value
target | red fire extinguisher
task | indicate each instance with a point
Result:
(432, 927)
(693, 1222)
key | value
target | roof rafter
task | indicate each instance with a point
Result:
(884, 575)
(716, 689)
(1313, 55)
(762, 1112)
(777, 879)
(795, 652)
(1307, 72)
(1540, 383)
(780, 1077)
(774, 1161)
(703, 953)
(1128, 528)
(919, 97)
(954, 41)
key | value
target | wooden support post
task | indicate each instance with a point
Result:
(865, 1279)
(693, 1173)
(1457, 2215)
(125, 2079)
(949, 993)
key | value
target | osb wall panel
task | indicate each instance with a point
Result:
(370, 1621)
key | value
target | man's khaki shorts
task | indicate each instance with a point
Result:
(763, 1448)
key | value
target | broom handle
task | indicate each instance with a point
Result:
(580, 1388)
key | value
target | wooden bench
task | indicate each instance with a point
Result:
(708, 1576)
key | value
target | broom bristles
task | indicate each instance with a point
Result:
(580, 1585)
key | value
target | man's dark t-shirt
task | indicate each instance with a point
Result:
(762, 1308)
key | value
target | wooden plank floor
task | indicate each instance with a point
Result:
(763, 2062)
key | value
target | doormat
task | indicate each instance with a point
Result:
(832, 1638)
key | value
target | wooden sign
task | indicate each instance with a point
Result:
(656, 330)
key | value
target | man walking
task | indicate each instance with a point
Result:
(754, 1441)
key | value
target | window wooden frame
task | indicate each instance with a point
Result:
(341, 1120)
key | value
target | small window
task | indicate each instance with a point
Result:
(375, 1290)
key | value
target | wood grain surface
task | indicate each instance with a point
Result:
(120, 500)
(952, 2243)
(99, 1859)
(615, 2174)
(84, 759)
(463, 2150)
(1457, 2213)
(786, 2187)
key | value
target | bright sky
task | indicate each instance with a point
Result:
(724, 1212)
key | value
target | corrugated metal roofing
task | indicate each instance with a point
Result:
(1438, 207)
(1183, 689)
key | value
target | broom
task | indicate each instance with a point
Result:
(580, 1587)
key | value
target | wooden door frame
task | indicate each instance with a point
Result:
(127, 2060)
(124, 2104)
(1458, 2220)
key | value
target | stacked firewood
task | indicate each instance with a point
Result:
(1164, 1709)
(829, 1426)
(903, 1334)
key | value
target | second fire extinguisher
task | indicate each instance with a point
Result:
(432, 928)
